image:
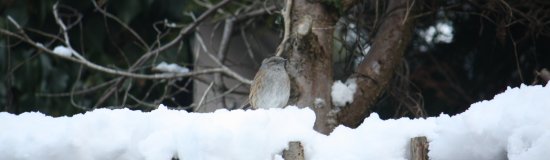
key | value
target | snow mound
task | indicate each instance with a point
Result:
(514, 125)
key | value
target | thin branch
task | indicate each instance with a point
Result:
(203, 96)
(63, 27)
(255, 13)
(184, 31)
(126, 93)
(516, 57)
(107, 14)
(14, 23)
(248, 46)
(227, 71)
(286, 17)
(80, 92)
(124, 73)
(73, 89)
(130, 73)
(150, 105)
(224, 44)
(409, 8)
(19, 29)
(231, 90)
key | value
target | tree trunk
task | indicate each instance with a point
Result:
(310, 65)
(374, 73)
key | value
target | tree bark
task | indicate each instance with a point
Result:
(310, 65)
(374, 73)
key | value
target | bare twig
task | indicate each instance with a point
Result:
(227, 71)
(116, 83)
(107, 14)
(286, 17)
(231, 90)
(73, 102)
(150, 105)
(254, 13)
(248, 47)
(203, 96)
(516, 57)
(182, 32)
(63, 28)
(124, 73)
(19, 29)
(409, 8)
(80, 92)
(224, 44)
(82, 60)
(14, 23)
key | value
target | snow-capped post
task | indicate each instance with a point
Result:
(419, 148)
(295, 151)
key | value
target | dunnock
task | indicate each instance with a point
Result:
(271, 85)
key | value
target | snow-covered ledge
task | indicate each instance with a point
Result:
(513, 125)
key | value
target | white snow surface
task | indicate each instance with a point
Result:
(63, 51)
(343, 93)
(442, 32)
(514, 125)
(172, 68)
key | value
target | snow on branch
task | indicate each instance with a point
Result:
(170, 68)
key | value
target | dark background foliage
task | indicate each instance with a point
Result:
(491, 49)
(33, 81)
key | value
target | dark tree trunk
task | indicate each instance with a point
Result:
(374, 73)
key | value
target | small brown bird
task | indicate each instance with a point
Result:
(271, 85)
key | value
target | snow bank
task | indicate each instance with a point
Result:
(513, 125)
(160, 134)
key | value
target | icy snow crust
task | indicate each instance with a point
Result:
(514, 125)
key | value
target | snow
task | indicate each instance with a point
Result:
(514, 125)
(63, 51)
(160, 134)
(441, 32)
(171, 68)
(445, 33)
(343, 93)
(319, 102)
(40, 45)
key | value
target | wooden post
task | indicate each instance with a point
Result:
(295, 151)
(419, 148)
